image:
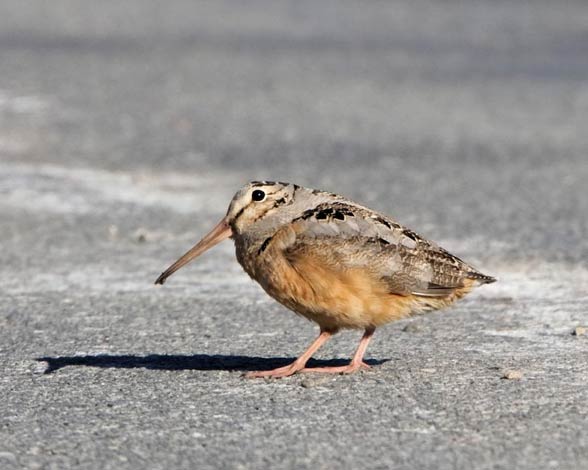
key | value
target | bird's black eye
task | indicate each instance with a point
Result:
(258, 195)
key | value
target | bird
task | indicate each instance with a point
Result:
(335, 262)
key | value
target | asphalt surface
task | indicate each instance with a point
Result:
(125, 129)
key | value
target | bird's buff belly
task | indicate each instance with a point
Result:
(336, 299)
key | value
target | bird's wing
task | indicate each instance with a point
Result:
(345, 236)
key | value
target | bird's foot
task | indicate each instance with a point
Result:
(348, 369)
(278, 373)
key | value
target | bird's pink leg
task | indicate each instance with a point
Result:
(297, 365)
(355, 364)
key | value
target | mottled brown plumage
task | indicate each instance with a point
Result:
(335, 262)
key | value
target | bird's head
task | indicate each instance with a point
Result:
(258, 205)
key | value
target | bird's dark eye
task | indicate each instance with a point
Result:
(258, 195)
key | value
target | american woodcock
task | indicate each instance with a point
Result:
(334, 262)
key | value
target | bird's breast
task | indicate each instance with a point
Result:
(333, 298)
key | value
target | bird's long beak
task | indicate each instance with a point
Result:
(220, 232)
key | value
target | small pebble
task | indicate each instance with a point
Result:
(311, 382)
(143, 235)
(113, 232)
(307, 383)
(512, 375)
(140, 235)
(580, 330)
(412, 328)
(40, 367)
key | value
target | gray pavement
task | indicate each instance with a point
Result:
(125, 128)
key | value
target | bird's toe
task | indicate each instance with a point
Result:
(273, 374)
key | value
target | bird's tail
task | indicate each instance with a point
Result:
(481, 278)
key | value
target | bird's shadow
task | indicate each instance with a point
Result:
(177, 362)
